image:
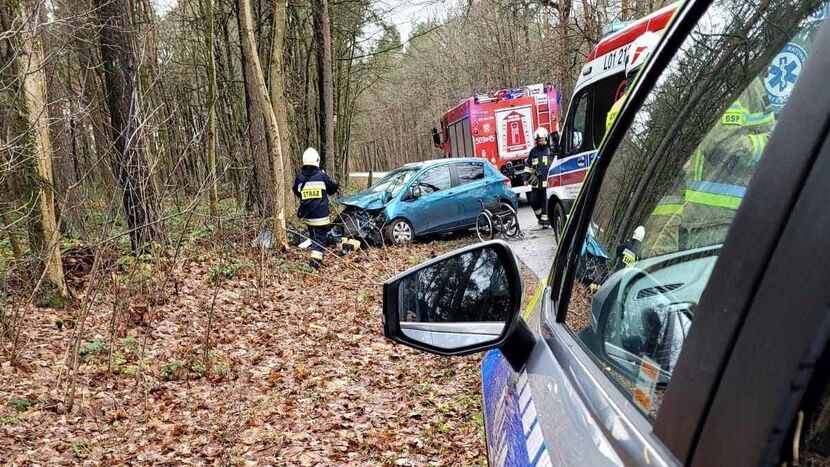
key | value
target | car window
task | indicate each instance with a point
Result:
(606, 93)
(576, 130)
(434, 179)
(812, 425)
(673, 186)
(469, 172)
(393, 181)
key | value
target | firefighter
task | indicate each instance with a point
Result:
(629, 252)
(640, 51)
(536, 167)
(313, 187)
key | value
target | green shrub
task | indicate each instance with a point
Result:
(227, 270)
(89, 349)
(20, 403)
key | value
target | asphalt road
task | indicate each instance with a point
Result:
(538, 245)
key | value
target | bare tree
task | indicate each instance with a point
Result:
(34, 143)
(124, 102)
(322, 37)
(256, 80)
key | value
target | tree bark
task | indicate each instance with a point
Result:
(211, 133)
(45, 235)
(261, 92)
(325, 92)
(278, 87)
(124, 102)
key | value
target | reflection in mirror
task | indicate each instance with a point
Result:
(674, 184)
(459, 302)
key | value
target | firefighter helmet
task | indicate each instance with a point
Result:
(540, 133)
(640, 51)
(311, 157)
(639, 233)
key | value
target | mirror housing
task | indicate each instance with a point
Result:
(553, 144)
(436, 138)
(384, 198)
(462, 302)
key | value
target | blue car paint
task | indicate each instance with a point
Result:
(514, 435)
(444, 211)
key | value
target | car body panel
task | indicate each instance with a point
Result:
(548, 394)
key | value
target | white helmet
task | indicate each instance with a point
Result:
(639, 233)
(640, 51)
(311, 157)
(540, 133)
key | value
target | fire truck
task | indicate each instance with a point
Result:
(499, 127)
(600, 83)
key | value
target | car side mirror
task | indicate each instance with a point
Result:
(553, 144)
(413, 192)
(462, 302)
(436, 138)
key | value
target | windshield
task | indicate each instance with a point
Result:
(394, 181)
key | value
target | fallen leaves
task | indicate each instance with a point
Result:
(299, 373)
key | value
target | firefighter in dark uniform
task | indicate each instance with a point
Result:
(536, 167)
(313, 187)
(629, 251)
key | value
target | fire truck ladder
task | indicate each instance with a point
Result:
(543, 111)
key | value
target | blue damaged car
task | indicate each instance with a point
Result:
(685, 317)
(436, 196)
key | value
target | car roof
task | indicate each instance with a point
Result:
(447, 160)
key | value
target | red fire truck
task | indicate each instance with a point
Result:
(499, 127)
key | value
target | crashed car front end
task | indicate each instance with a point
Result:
(364, 224)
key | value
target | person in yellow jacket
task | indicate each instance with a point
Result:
(638, 54)
(699, 212)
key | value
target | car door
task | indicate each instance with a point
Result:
(434, 208)
(567, 170)
(471, 191)
(643, 341)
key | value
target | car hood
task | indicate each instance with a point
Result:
(363, 200)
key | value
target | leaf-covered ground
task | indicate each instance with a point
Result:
(298, 373)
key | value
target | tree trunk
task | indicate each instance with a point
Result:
(261, 92)
(211, 133)
(124, 102)
(278, 87)
(46, 237)
(325, 92)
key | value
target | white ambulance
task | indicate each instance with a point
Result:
(600, 84)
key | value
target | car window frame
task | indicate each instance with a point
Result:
(680, 434)
(587, 92)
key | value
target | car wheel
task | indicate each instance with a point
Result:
(399, 231)
(558, 219)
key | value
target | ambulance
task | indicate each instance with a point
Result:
(601, 82)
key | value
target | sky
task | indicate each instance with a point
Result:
(402, 13)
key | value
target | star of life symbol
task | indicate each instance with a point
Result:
(783, 72)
